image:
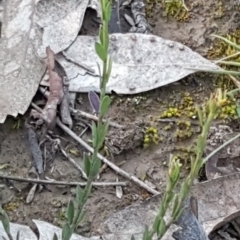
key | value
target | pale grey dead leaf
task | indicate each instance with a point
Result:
(61, 22)
(47, 230)
(25, 232)
(119, 191)
(31, 194)
(20, 68)
(217, 200)
(140, 63)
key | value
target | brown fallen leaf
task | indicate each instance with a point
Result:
(56, 93)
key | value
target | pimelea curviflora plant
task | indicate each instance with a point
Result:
(173, 200)
(75, 210)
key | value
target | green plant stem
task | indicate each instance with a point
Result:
(186, 185)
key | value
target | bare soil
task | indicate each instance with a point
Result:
(147, 164)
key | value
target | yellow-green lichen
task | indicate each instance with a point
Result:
(150, 136)
(176, 9)
(228, 110)
(11, 206)
(183, 131)
(186, 108)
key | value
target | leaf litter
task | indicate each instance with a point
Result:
(139, 70)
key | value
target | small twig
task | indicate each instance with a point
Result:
(110, 164)
(41, 181)
(71, 160)
(219, 148)
(235, 81)
(184, 5)
(95, 118)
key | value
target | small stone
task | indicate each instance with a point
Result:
(181, 48)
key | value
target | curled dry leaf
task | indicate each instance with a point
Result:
(31, 193)
(56, 93)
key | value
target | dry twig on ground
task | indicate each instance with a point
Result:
(40, 181)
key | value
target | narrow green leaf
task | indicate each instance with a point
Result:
(227, 41)
(108, 11)
(79, 195)
(66, 232)
(5, 220)
(55, 237)
(200, 115)
(101, 35)
(100, 76)
(146, 233)
(102, 134)
(70, 212)
(175, 205)
(87, 164)
(222, 71)
(156, 224)
(80, 218)
(179, 213)
(238, 110)
(100, 51)
(105, 105)
(170, 196)
(184, 190)
(109, 69)
(237, 64)
(162, 228)
(94, 135)
(106, 37)
(95, 168)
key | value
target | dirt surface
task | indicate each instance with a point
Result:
(149, 163)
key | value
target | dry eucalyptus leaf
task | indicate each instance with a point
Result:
(61, 22)
(31, 194)
(141, 63)
(20, 68)
(217, 199)
(47, 230)
(25, 232)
